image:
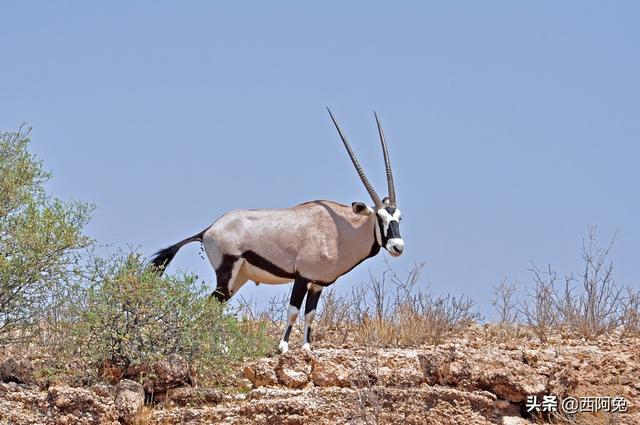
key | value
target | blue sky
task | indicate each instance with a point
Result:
(512, 126)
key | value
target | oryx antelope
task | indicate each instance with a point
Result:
(312, 244)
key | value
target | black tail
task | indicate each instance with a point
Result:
(162, 258)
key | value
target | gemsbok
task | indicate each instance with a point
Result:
(311, 244)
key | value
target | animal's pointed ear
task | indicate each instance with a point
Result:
(361, 208)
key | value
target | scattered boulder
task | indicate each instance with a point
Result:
(19, 371)
(103, 390)
(79, 406)
(293, 370)
(172, 372)
(129, 400)
(20, 405)
(262, 372)
(189, 396)
(328, 373)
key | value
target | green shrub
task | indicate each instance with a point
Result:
(41, 242)
(133, 317)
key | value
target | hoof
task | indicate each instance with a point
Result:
(283, 347)
(307, 349)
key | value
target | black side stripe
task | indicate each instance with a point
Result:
(259, 261)
(262, 263)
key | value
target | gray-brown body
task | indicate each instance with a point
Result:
(318, 240)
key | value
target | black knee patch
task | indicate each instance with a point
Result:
(298, 293)
(312, 301)
(286, 334)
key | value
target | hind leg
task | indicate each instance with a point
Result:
(313, 295)
(227, 276)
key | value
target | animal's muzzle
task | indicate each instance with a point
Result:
(395, 246)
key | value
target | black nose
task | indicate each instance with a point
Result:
(395, 249)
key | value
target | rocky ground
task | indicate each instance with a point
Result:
(474, 378)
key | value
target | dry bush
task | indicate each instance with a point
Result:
(365, 382)
(601, 417)
(588, 304)
(505, 304)
(630, 317)
(369, 399)
(274, 312)
(403, 315)
(144, 417)
(540, 311)
(335, 312)
(597, 307)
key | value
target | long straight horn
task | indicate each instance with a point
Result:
(363, 177)
(387, 163)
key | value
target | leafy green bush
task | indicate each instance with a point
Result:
(134, 317)
(82, 312)
(41, 241)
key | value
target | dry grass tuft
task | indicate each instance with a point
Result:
(393, 310)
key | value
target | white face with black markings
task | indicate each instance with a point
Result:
(388, 225)
(389, 222)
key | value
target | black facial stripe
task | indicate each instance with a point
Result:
(394, 230)
(383, 237)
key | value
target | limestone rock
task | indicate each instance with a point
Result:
(15, 370)
(504, 373)
(188, 396)
(129, 400)
(79, 406)
(172, 372)
(293, 370)
(472, 378)
(262, 372)
(328, 373)
(22, 406)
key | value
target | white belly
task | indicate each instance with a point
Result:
(261, 276)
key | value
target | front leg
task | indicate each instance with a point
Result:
(297, 295)
(313, 295)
